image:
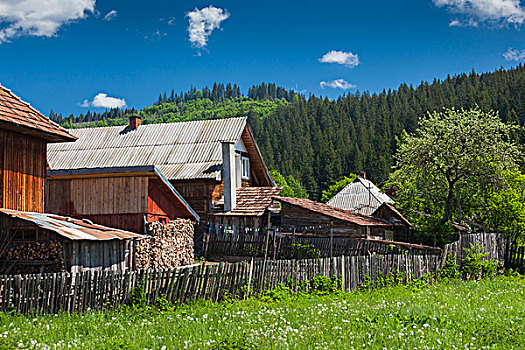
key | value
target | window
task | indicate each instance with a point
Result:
(163, 221)
(245, 168)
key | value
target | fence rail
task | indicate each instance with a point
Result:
(279, 246)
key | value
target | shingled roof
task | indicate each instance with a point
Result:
(20, 115)
(336, 213)
(181, 151)
(250, 201)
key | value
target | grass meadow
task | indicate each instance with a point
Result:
(489, 314)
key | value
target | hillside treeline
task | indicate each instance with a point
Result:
(318, 140)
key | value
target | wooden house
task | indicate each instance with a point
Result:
(360, 196)
(307, 217)
(404, 230)
(206, 161)
(121, 197)
(28, 237)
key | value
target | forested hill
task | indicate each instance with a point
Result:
(318, 140)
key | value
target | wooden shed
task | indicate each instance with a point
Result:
(305, 216)
(24, 134)
(121, 197)
(38, 242)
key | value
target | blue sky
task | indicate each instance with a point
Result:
(61, 57)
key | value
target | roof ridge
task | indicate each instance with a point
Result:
(166, 123)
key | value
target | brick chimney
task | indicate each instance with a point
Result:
(134, 122)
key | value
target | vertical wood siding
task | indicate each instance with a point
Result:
(22, 171)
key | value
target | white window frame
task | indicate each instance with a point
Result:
(245, 165)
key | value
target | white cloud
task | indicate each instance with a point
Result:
(110, 15)
(102, 100)
(337, 84)
(475, 11)
(345, 58)
(203, 22)
(514, 55)
(39, 17)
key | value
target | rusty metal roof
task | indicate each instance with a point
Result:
(181, 151)
(361, 196)
(19, 114)
(250, 201)
(70, 228)
(336, 213)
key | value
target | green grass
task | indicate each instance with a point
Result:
(457, 315)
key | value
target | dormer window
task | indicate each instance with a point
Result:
(245, 168)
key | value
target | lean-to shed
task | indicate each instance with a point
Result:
(38, 242)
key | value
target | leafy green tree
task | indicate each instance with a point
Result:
(337, 187)
(450, 161)
(291, 187)
(506, 206)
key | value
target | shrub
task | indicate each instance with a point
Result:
(305, 251)
(475, 266)
(450, 269)
(323, 285)
(137, 296)
(280, 293)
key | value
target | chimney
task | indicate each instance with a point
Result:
(362, 174)
(228, 174)
(134, 122)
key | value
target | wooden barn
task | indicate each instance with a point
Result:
(28, 237)
(304, 216)
(122, 197)
(206, 161)
(24, 134)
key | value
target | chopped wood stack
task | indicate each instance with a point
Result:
(34, 257)
(166, 246)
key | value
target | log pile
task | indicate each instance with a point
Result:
(166, 246)
(35, 257)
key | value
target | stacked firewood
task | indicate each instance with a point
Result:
(166, 246)
(43, 251)
(34, 257)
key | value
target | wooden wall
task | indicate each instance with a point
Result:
(97, 196)
(113, 255)
(22, 171)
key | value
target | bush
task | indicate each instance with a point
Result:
(475, 266)
(305, 251)
(279, 293)
(137, 296)
(450, 269)
(322, 285)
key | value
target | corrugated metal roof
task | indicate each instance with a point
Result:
(250, 201)
(340, 214)
(181, 151)
(21, 114)
(70, 228)
(361, 196)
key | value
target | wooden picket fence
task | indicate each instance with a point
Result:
(285, 246)
(58, 292)
(493, 243)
